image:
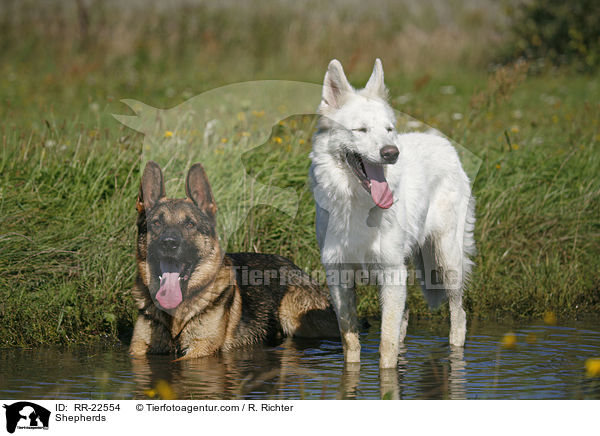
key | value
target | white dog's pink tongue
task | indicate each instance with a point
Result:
(169, 295)
(380, 191)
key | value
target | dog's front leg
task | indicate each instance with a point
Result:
(149, 337)
(340, 280)
(394, 317)
(200, 348)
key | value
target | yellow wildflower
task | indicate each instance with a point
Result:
(223, 140)
(509, 340)
(150, 393)
(301, 141)
(168, 134)
(515, 146)
(277, 139)
(165, 390)
(514, 129)
(498, 166)
(592, 367)
(550, 318)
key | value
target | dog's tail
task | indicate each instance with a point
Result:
(318, 323)
(306, 312)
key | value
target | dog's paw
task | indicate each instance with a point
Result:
(388, 356)
(352, 356)
(199, 348)
(388, 362)
(138, 348)
(351, 345)
(457, 338)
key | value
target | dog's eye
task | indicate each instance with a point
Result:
(156, 223)
(361, 130)
(389, 129)
(189, 225)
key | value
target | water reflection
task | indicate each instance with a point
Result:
(247, 373)
(550, 367)
(300, 369)
(349, 382)
(458, 374)
(389, 386)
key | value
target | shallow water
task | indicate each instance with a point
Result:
(547, 363)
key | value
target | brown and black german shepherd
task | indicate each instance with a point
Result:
(194, 300)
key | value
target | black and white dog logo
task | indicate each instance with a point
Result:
(26, 415)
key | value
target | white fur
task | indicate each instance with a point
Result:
(432, 217)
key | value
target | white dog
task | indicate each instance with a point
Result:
(383, 197)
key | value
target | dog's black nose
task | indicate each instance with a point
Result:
(169, 242)
(389, 153)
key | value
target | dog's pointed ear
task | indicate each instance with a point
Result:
(198, 190)
(152, 187)
(376, 84)
(335, 86)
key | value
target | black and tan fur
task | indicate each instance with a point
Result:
(219, 309)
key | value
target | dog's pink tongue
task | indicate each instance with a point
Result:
(169, 294)
(380, 191)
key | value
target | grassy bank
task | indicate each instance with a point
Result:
(69, 171)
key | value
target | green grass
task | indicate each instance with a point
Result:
(70, 172)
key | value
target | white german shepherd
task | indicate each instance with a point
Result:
(381, 198)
